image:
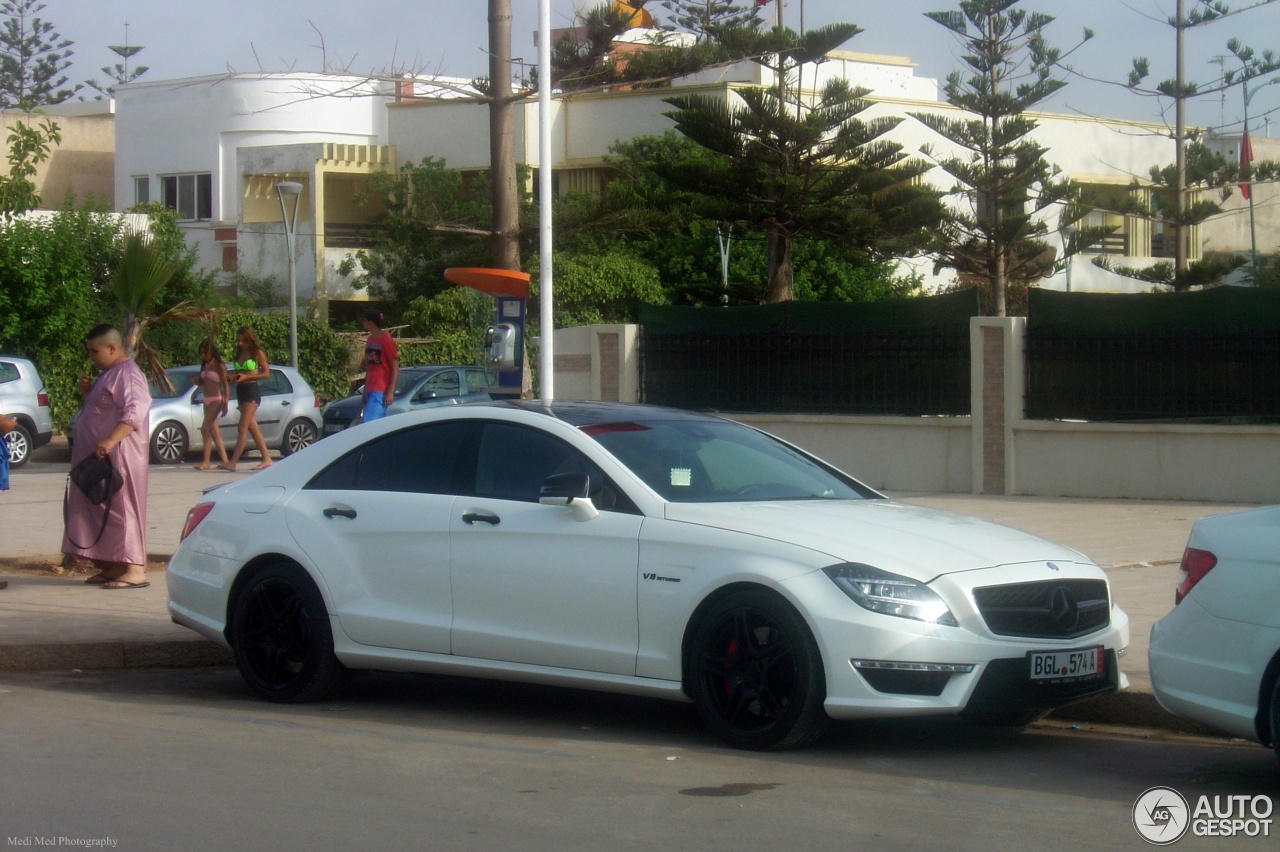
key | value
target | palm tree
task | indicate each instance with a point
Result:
(140, 273)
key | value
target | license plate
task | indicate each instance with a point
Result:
(333, 427)
(1067, 665)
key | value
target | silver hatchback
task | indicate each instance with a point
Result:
(23, 397)
(289, 415)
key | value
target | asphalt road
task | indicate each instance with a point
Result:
(186, 759)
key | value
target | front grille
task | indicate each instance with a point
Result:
(1049, 609)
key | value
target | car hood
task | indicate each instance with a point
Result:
(346, 405)
(914, 541)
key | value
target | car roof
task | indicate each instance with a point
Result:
(591, 413)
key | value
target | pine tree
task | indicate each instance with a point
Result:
(120, 72)
(706, 18)
(1004, 186)
(793, 165)
(33, 57)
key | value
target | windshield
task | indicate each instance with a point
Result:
(406, 380)
(179, 377)
(688, 461)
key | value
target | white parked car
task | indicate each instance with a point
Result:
(24, 398)
(289, 415)
(1215, 657)
(639, 550)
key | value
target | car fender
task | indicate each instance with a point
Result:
(682, 566)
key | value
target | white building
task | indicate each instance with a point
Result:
(214, 147)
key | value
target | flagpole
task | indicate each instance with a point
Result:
(1246, 157)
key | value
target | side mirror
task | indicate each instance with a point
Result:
(569, 489)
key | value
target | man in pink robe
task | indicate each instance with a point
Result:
(114, 423)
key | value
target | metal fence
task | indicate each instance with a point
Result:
(819, 359)
(1192, 356)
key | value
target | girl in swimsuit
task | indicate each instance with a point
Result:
(250, 366)
(212, 379)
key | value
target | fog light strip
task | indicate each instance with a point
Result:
(961, 668)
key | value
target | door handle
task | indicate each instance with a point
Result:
(482, 517)
(333, 512)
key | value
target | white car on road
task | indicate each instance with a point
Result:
(1215, 657)
(639, 550)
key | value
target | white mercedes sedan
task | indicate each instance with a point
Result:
(1215, 657)
(638, 550)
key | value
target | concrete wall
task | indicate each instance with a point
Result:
(81, 166)
(598, 362)
(995, 450)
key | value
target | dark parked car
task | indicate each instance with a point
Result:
(417, 387)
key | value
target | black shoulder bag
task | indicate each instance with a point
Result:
(98, 479)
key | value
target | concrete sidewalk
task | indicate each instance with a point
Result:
(50, 622)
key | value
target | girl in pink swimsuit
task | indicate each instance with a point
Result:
(212, 379)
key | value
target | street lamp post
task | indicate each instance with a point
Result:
(291, 190)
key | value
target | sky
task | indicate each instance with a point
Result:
(185, 38)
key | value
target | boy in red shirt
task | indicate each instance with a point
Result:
(381, 366)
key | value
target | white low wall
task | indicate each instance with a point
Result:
(888, 453)
(1230, 464)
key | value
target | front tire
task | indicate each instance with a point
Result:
(282, 639)
(169, 443)
(756, 675)
(20, 446)
(299, 435)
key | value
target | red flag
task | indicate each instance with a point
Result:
(762, 2)
(1246, 157)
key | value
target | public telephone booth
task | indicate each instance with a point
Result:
(504, 339)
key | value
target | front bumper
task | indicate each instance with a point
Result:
(884, 666)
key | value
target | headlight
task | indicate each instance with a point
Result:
(890, 594)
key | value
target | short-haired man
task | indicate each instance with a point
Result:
(381, 366)
(113, 424)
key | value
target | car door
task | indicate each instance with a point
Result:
(532, 584)
(376, 524)
(478, 383)
(440, 388)
(277, 406)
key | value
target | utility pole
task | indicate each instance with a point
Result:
(1180, 137)
(505, 251)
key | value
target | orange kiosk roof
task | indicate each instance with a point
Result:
(495, 282)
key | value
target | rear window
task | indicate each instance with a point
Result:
(9, 372)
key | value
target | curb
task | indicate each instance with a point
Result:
(1123, 708)
(192, 653)
(1140, 709)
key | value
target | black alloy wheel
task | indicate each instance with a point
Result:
(298, 435)
(169, 443)
(281, 637)
(756, 675)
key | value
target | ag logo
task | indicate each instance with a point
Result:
(1161, 815)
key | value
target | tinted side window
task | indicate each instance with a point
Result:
(444, 384)
(512, 461)
(8, 372)
(479, 381)
(421, 460)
